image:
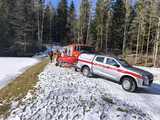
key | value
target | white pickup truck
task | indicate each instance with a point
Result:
(114, 68)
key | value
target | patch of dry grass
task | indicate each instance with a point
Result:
(122, 109)
(20, 86)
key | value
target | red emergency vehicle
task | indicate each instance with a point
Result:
(71, 53)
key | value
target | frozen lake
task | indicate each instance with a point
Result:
(11, 67)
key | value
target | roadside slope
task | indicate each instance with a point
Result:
(18, 88)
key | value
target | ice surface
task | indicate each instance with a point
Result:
(12, 67)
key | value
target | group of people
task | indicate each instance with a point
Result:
(55, 54)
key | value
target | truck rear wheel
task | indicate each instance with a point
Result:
(76, 69)
(86, 71)
(56, 64)
(128, 84)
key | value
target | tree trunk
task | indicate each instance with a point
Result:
(88, 28)
(38, 22)
(137, 46)
(25, 43)
(125, 28)
(78, 39)
(142, 46)
(98, 40)
(50, 31)
(149, 31)
(101, 39)
(107, 32)
(156, 44)
(42, 26)
(81, 35)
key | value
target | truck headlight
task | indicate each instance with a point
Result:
(146, 80)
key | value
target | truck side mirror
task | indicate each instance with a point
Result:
(117, 65)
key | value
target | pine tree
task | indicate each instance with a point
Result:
(102, 23)
(17, 21)
(22, 21)
(117, 29)
(40, 21)
(62, 12)
(84, 21)
(156, 41)
(48, 18)
(144, 23)
(72, 22)
(6, 30)
(126, 24)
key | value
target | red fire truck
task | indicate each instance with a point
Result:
(71, 53)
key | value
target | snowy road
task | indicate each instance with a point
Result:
(146, 99)
(10, 67)
(63, 94)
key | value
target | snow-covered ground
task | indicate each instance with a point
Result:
(63, 94)
(11, 67)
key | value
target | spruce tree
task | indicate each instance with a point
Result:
(102, 19)
(117, 29)
(62, 12)
(84, 20)
(72, 22)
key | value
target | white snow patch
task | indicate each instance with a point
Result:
(11, 67)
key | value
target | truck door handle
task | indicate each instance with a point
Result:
(118, 70)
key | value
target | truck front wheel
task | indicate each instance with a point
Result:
(128, 84)
(86, 71)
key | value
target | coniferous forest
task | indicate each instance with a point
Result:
(111, 26)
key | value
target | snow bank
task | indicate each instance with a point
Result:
(12, 67)
(63, 94)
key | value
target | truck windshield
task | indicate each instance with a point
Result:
(86, 49)
(124, 63)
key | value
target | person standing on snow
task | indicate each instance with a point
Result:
(50, 54)
(56, 56)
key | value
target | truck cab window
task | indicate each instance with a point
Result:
(100, 59)
(112, 62)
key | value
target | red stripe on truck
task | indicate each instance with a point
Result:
(109, 67)
(85, 61)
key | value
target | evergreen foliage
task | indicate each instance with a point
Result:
(114, 25)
